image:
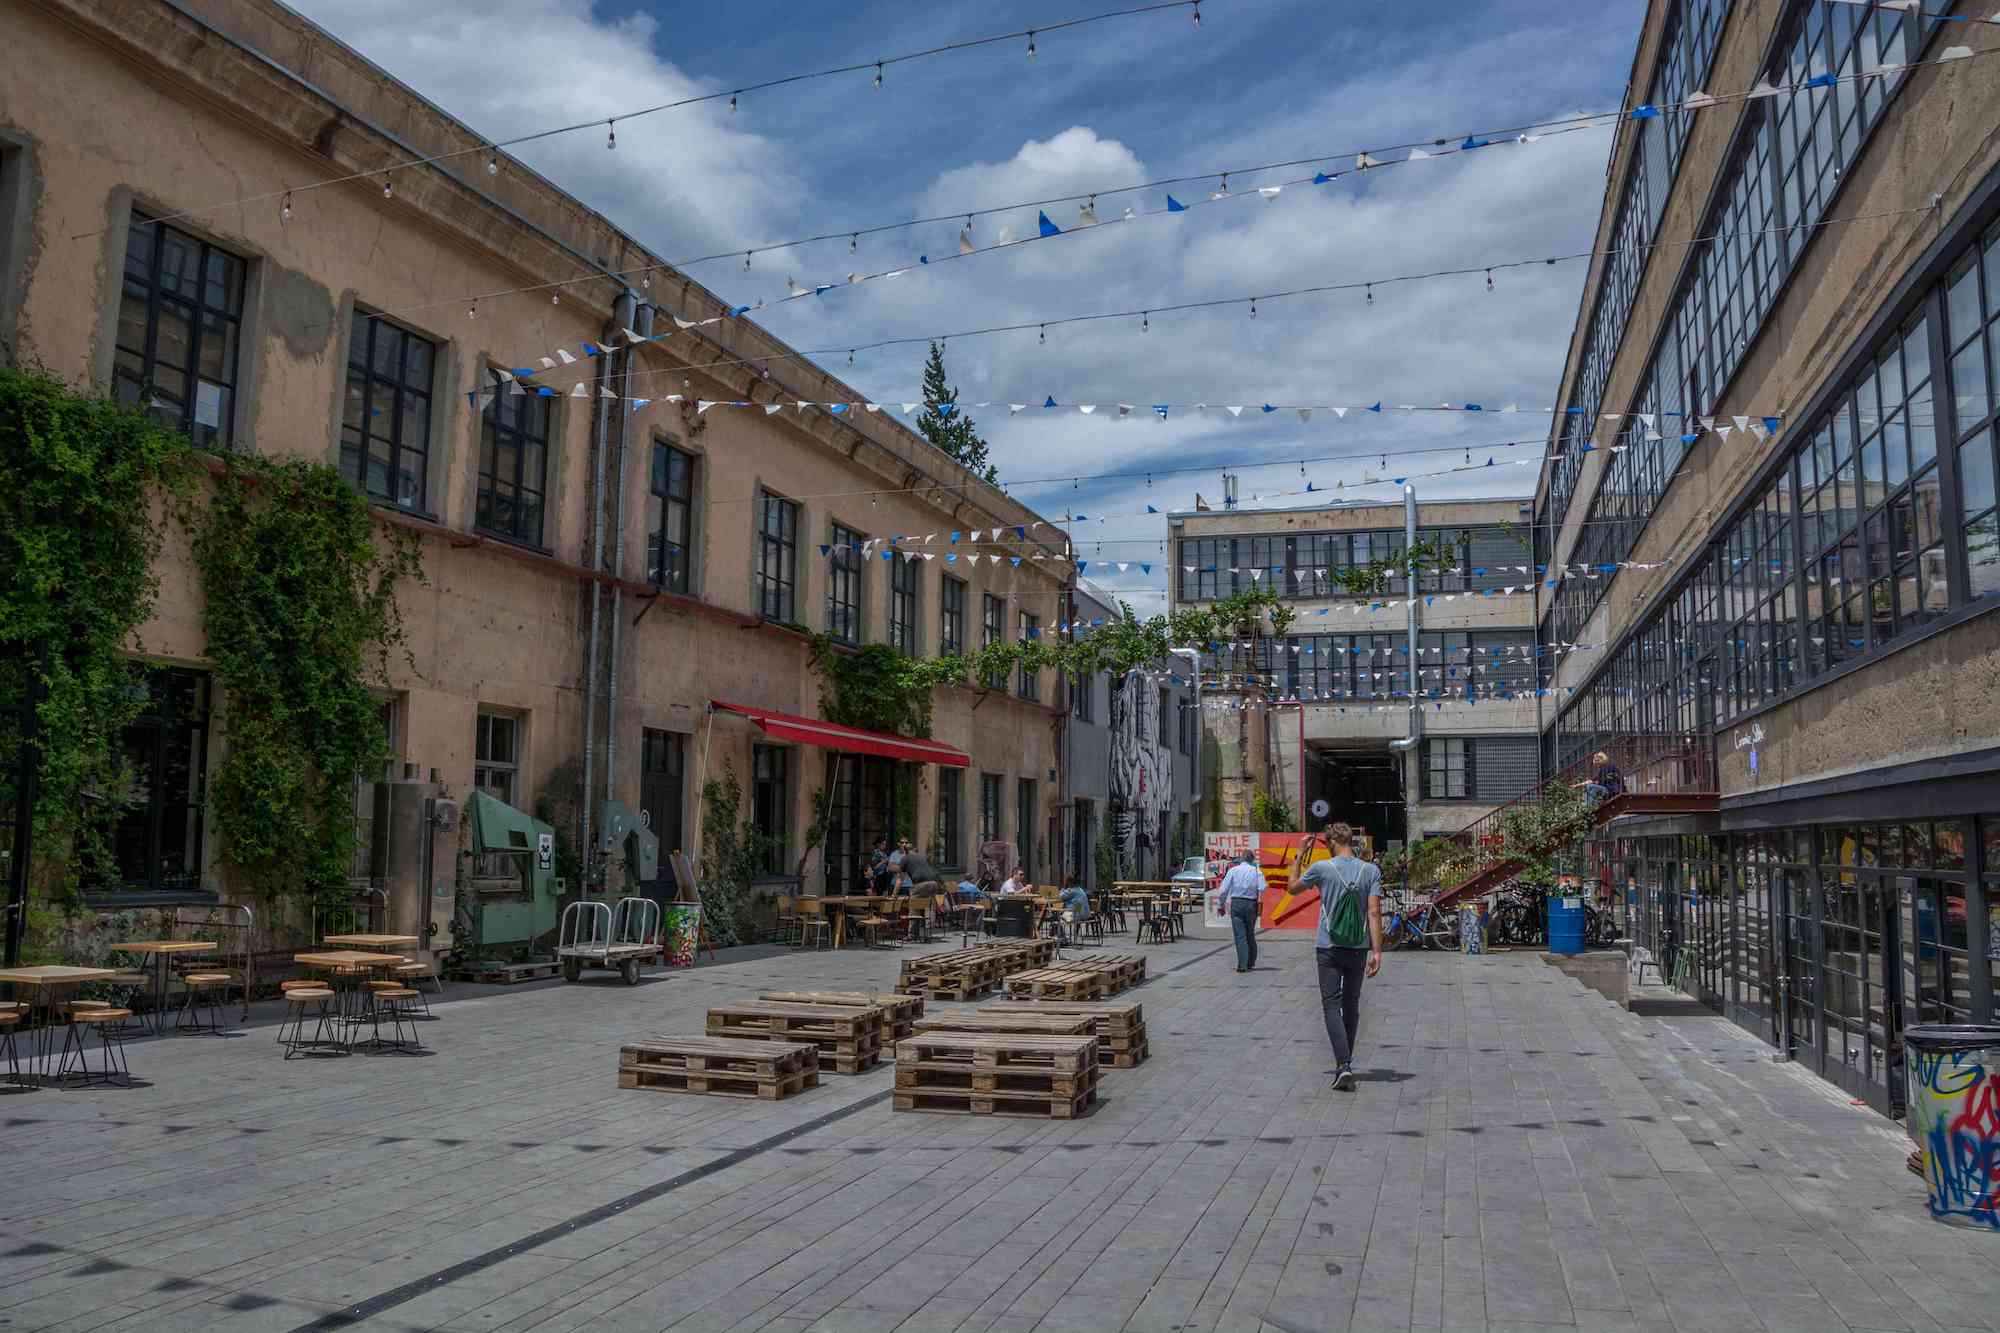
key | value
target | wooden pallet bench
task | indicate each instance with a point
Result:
(979, 1073)
(1120, 971)
(1120, 1026)
(1036, 952)
(849, 1038)
(1055, 983)
(958, 974)
(899, 1012)
(719, 1067)
(1011, 1021)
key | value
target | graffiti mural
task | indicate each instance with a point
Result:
(1955, 1119)
(1142, 778)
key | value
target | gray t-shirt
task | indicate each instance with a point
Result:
(1345, 885)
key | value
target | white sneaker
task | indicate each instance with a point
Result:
(1344, 1080)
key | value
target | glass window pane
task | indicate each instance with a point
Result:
(1969, 387)
(1962, 314)
(1975, 474)
(1982, 556)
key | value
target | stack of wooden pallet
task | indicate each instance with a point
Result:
(1091, 977)
(1036, 952)
(1014, 1020)
(958, 974)
(975, 1073)
(770, 1070)
(1120, 1026)
(849, 1038)
(899, 1012)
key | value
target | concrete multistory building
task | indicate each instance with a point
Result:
(596, 573)
(1133, 746)
(1803, 623)
(1310, 717)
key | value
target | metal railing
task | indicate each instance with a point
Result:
(1649, 766)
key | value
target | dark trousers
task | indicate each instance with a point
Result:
(1340, 975)
(1243, 922)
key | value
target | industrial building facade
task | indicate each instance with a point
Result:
(1309, 716)
(597, 573)
(1793, 314)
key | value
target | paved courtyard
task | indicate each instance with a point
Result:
(1520, 1154)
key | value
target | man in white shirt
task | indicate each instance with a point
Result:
(1242, 889)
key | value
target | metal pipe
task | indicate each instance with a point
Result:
(1409, 742)
(1200, 729)
(627, 315)
(600, 421)
(27, 776)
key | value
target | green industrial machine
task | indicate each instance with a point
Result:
(508, 892)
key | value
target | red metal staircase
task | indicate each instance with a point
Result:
(1674, 776)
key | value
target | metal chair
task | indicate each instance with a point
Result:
(397, 1004)
(109, 1024)
(815, 930)
(9, 1020)
(785, 925)
(199, 993)
(326, 1031)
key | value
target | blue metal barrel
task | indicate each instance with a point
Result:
(1566, 925)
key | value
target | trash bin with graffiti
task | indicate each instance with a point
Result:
(1472, 928)
(682, 924)
(1953, 1080)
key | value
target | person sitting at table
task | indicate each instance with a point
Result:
(881, 874)
(1013, 884)
(1075, 897)
(969, 892)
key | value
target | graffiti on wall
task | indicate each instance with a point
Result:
(1955, 1119)
(1142, 778)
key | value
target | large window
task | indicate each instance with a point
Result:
(1083, 697)
(770, 804)
(951, 616)
(989, 807)
(992, 630)
(180, 330)
(1445, 770)
(948, 838)
(670, 550)
(1024, 826)
(777, 558)
(844, 573)
(1031, 679)
(513, 463)
(496, 770)
(904, 604)
(385, 427)
(156, 842)
(1482, 768)
(1972, 339)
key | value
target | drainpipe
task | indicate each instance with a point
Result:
(640, 320)
(600, 422)
(1200, 728)
(1408, 744)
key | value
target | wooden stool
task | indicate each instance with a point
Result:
(410, 974)
(199, 993)
(326, 1032)
(398, 1005)
(109, 1024)
(814, 929)
(10, 1018)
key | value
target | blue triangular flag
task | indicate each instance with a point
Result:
(1472, 141)
(887, 554)
(523, 374)
(1016, 559)
(1309, 488)
(1160, 410)
(946, 409)
(1321, 178)
(1051, 402)
(1175, 206)
(1772, 423)
(1082, 565)
(1269, 408)
(1049, 228)
(826, 550)
(740, 310)
(955, 536)
(923, 259)
(1377, 407)
(1646, 112)
(1474, 407)
(472, 400)
(592, 349)
(1143, 568)
(836, 408)
(1151, 510)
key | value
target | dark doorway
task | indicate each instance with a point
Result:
(1363, 788)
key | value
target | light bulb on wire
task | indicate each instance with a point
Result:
(1197, 13)
(732, 104)
(285, 209)
(1031, 45)
(611, 140)
(878, 74)
(493, 164)
(1489, 279)
(555, 298)
(387, 188)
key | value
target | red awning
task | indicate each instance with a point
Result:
(852, 740)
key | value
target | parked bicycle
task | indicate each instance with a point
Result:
(1419, 924)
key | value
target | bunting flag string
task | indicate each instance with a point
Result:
(1330, 167)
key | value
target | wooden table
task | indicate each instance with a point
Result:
(161, 951)
(346, 962)
(374, 941)
(48, 981)
(853, 901)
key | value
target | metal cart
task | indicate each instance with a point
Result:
(621, 940)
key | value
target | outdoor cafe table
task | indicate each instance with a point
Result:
(48, 981)
(373, 941)
(161, 950)
(346, 962)
(839, 906)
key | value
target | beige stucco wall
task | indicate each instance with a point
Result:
(491, 626)
(1936, 144)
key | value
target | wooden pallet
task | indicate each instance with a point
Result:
(503, 974)
(1038, 1106)
(1053, 1084)
(1120, 971)
(899, 1012)
(1056, 983)
(1007, 1052)
(1016, 1022)
(849, 1039)
(1119, 1026)
(767, 1070)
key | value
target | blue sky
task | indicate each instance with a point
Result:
(1106, 105)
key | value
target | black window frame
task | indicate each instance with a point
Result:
(948, 834)
(135, 372)
(1083, 697)
(517, 428)
(905, 602)
(676, 481)
(1030, 683)
(663, 787)
(992, 630)
(991, 809)
(951, 616)
(370, 337)
(179, 701)
(770, 804)
(775, 576)
(846, 584)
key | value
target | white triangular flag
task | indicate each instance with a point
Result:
(1742, 423)
(1086, 408)
(770, 408)
(1124, 565)
(1362, 162)
(1764, 88)
(603, 392)
(504, 376)
(1419, 155)
(1270, 191)
(1234, 411)
(680, 323)
(1696, 101)
(1087, 215)
(578, 391)
(965, 246)
(565, 357)
(910, 407)
(702, 405)
(1305, 414)
(793, 288)
(1006, 236)
(632, 338)
(1012, 408)
(1340, 412)
(1124, 410)
(548, 364)
(871, 407)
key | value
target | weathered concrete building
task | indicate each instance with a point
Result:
(597, 574)
(1133, 748)
(1309, 717)
(1814, 640)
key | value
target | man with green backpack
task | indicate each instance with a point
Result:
(1349, 942)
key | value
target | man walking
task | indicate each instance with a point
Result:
(1242, 889)
(1350, 893)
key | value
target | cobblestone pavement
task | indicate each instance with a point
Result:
(1520, 1154)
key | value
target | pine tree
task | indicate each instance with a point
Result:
(948, 428)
